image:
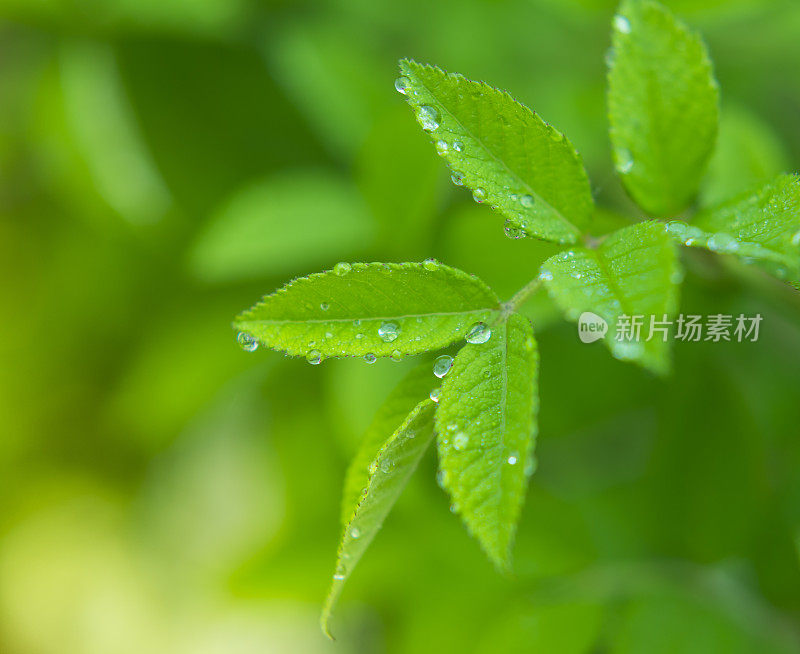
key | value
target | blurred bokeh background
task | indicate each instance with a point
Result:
(163, 163)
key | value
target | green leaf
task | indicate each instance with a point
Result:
(633, 273)
(278, 224)
(486, 426)
(663, 106)
(507, 154)
(761, 226)
(388, 474)
(416, 385)
(748, 153)
(416, 307)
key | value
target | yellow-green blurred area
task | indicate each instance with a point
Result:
(163, 163)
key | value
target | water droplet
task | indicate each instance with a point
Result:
(722, 242)
(677, 228)
(314, 357)
(624, 161)
(397, 355)
(458, 146)
(388, 332)
(359, 336)
(328, 334)
(246, 342)
(355, 532)
(526, 201)
(435, 393)
(796, 238)
(577, 275)
(530, 466)
(373, 468)
(609, 57)
(513, 231)
(442, 365)
(338, 576)
(546, 276)
(454, 507)
(460, 441)
(479, 194)
(342, 268)
(622, 24)
(370, 358)
(324, 306)
(442, 478)
(428, 117)
(402, 84)
(387, 465)
(478, 333)
(430, 264)
(441, 147)
(513, 458)
(457, 178)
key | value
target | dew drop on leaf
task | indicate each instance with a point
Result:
(435, 393)
(460, 441)
(355, 532)
(342, 268)
(546, 276)
(722, 242)
(246, 342)
(796, 238)
(430, 264)
(370, 358)
(397, 355)
(441, 147)
(314, 357)
(624, 161)
(388, 332)
(442, 365)
(479, 194)
(458, 146)
(428, 117)
(478, 333)
(324, 306)
(513, 231)
(622, 24)
(513, 458)
(526, 201)
(401, 84)
(457, 178)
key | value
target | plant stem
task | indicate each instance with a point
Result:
(522, 295)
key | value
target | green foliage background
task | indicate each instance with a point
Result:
(164, 163)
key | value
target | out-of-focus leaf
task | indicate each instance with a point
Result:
(402, 184)
(504, 152)
(748, 152)
(486, 426)
(107, 135)
(331, 75)
(633, 273)
(285, 223)
(663, 106)
(370, 310)
(212, 117)
(389, 472)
